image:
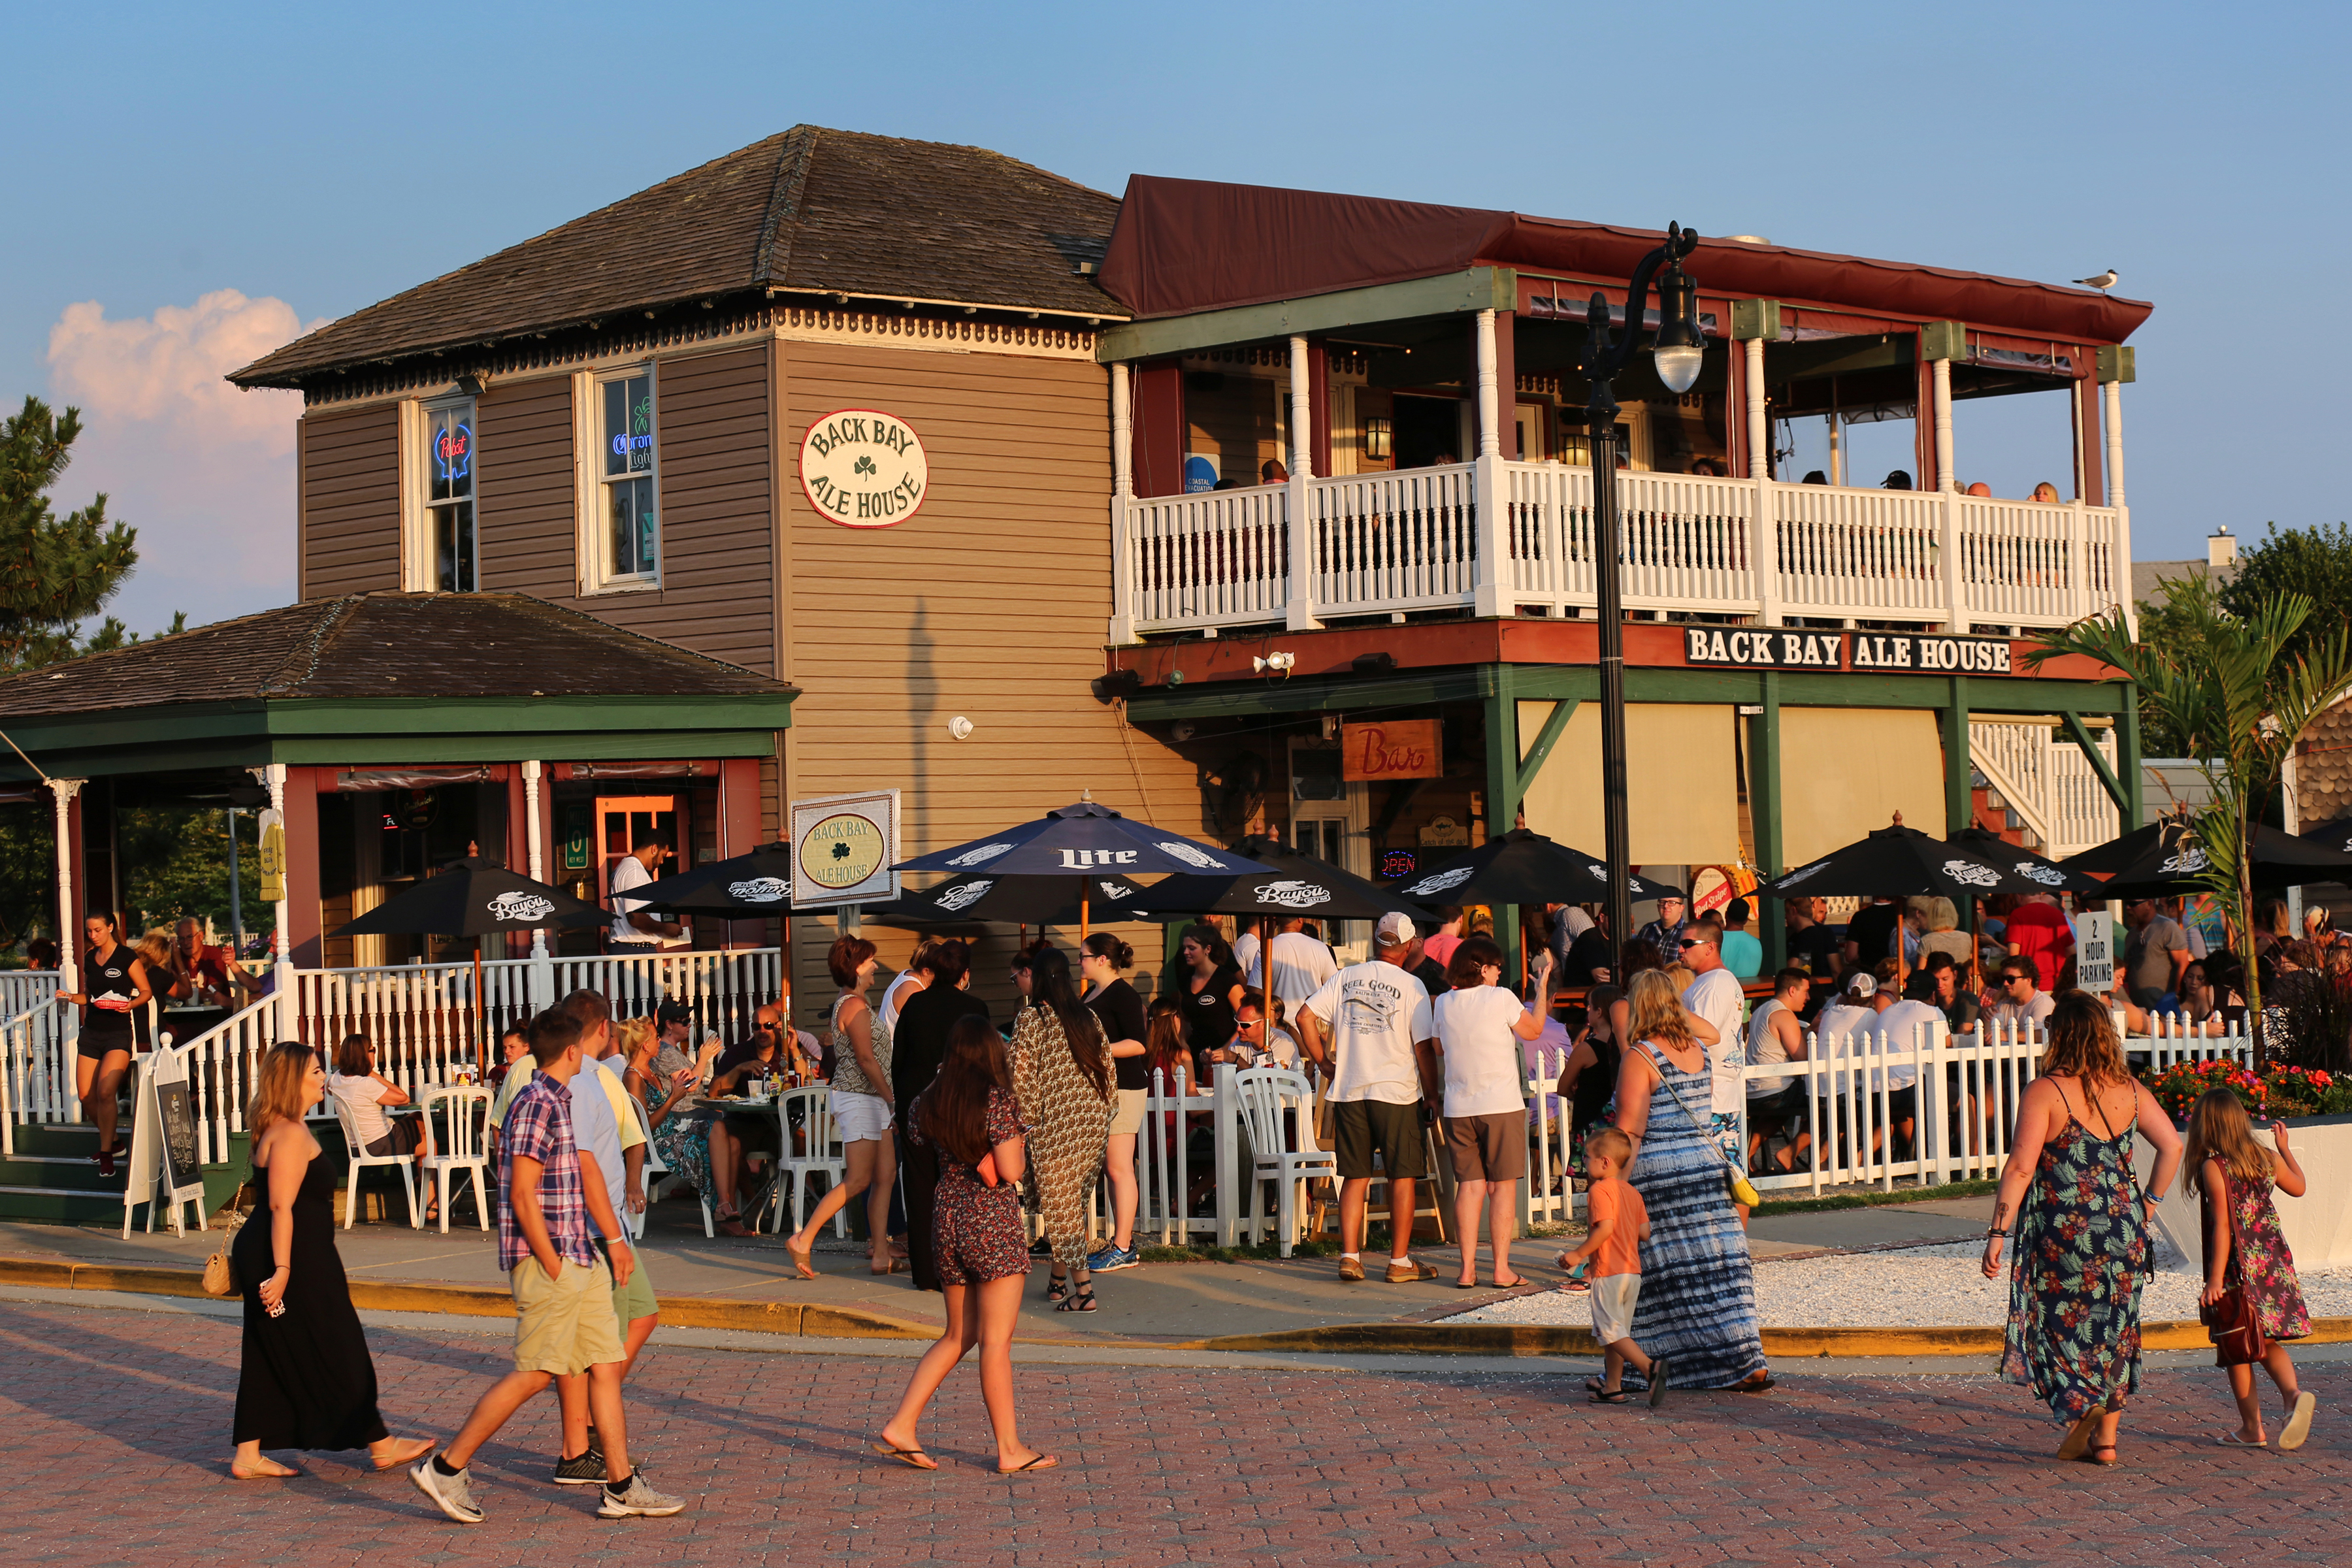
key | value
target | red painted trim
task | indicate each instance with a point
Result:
(304, 917)
(1158, 436)
(1318, 396)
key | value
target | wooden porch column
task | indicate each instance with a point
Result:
(2112, 394)
(1122, 491)
(739, 824)
(295, 793)
(2090, 484)
(1298, 600)
(535, 845)
(1492, 595)
(66, 794)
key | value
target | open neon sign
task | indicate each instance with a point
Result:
(453, 450)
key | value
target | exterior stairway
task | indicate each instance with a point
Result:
(53, 1178)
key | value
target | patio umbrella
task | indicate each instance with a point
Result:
(1020, 900)
(2166, 857)
(1897, 862)
(1080, 841)
(1301, 885)
(2334, 837)
(1520, 867)
(756, 886)
(474, 897)
(2052, 877)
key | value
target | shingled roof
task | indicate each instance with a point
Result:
(808, 210)
(382, 644)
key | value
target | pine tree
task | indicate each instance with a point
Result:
(54, 572)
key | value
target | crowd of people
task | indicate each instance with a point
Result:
(954, 1124)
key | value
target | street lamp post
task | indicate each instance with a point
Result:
(1678, 350)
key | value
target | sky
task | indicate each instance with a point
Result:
(192, 194)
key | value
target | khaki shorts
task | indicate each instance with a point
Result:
(1613, 1296)
(1362, 1128)
(634, 1299)
(564, 1325)
(1490, 1148)
(1126, 1116)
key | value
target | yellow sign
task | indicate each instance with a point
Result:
(841, 851)
(273, 858)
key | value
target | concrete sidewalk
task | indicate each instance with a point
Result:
(1156, 1302)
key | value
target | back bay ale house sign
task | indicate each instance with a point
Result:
(1911, 653)
(863, 469)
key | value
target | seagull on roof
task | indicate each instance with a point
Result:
(2103, 282)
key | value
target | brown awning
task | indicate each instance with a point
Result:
(1183, 246)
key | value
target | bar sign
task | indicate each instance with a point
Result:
(1746, 647)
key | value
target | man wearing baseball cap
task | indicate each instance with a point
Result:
(1368, 1027)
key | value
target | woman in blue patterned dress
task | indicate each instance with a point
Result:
(1698, 1306)
(2081, 1228)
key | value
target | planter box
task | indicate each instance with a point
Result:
(2318, 1226)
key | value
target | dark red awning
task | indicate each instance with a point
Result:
(1186, 246)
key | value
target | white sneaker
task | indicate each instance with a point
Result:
(451, 1494)
(639, 1500)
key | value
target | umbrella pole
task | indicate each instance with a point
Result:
(1081, 911)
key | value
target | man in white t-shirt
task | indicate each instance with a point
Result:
(1297, 965)
(635, 931)
(1904, 1026)
(2017, 996)
(1716, 997)
(1368, 1027)
(1247, 951)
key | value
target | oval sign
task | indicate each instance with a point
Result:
(863, 468)
(842, 851)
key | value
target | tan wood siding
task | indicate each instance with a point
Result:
(527, 488)
(991, 603)
(350, 495)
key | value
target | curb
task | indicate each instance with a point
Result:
(1786, 1344)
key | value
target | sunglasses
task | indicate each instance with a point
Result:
(2010, 979)
(1690, 941)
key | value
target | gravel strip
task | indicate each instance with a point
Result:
(1922, 1287)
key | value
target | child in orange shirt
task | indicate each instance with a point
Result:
(1619, 1223)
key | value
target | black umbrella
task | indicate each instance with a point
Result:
(756, 885)
(1899, 862)
(1298, 885)
(1077, 841)
(2050, 877)
(1520, 867)
(474, 897)
(2334, 837)
(2166, 857)
(1020, 900)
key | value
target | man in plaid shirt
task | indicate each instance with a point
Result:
(562, 1289)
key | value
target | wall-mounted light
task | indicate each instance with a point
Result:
(959, 726)
(1376, 437)
(1281, 663)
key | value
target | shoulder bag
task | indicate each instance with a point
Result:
(1734, 1180)
(220, 1274)
(2231, 1322)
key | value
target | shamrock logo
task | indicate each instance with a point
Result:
(841, 851)
(865, 466)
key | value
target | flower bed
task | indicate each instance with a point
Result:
(2281, 1092)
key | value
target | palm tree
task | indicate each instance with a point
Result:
(2229, 687)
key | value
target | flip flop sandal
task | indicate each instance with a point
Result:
(1042, 1462)
(1758, 1386)
(2298, 1422)
(1600, 1397)
(2231, 1440)
(907, 1456)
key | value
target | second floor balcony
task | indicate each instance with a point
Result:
(1495, 537)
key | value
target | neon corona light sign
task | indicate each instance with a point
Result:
(453, 450)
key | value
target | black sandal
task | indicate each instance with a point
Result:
(1607, 1396)
(1082, 1301)
(1057, 1287)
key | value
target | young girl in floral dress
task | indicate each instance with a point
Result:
(2233, 1175)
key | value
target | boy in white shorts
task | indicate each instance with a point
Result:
(1619, 1223)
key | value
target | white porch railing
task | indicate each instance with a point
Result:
(224, 1064)
(37, 1072)
(22, 990)
(2045, 777)
(1413, 539)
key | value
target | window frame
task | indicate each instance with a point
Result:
(427, 536)
(600, 576)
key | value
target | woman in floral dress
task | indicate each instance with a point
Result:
(2081, 1227)
(1062, 1077)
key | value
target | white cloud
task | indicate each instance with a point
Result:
(203, 470)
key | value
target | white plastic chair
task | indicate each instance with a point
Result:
(468, 1108)
(361, 1159)
(1265, 1094)
(656, 1169)
(822, 1152)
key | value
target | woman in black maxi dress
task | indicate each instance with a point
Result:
(307, 1380)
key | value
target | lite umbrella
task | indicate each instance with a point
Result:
(474, 897)
(1082, 838)
(2166, 857)
(1017, 900)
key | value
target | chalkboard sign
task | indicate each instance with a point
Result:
(178, 1143)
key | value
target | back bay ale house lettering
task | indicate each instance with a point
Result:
(863, 469)
(1760, 649)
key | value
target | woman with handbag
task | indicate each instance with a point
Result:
(2252, 1298)
(2080, 1224)
(1699, 1286)
(306, 1381)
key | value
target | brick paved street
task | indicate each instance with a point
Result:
(114, 1428)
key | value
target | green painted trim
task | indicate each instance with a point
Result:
(1764, 815)
(1546, 739)
(2127, 754)
(2081, 735)
(1958, 798)
(1503, 792)
(1452, 294)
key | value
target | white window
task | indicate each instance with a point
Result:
(626, 526)
(450, 547)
